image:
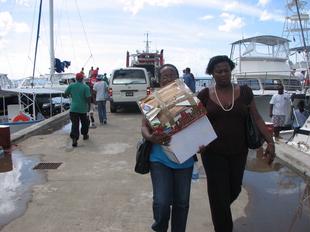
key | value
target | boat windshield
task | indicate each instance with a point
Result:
(252, 83)
(271, 84)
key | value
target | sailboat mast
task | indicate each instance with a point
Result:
(36, 48)
(52, 55)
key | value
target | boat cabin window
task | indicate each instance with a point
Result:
(252, 83)
(129, 76)
(271, 84)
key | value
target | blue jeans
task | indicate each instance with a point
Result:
(102, 112)
(171, 187)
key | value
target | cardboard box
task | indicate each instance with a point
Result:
(171, 108)
(175, 110)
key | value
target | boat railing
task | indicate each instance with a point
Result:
(268, 80)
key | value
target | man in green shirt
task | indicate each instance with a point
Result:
(80, 104)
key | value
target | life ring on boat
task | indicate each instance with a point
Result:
(21, 117)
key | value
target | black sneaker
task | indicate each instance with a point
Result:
(74, 142)
(105, 122)
(85, 137)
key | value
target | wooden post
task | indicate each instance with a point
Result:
(5, 136)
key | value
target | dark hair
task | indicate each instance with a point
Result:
(165, 66)
(218, 59)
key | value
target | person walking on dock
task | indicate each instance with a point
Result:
(279, 104)
(228, 105)
(171, 181)
(80, 105)
(101, 90)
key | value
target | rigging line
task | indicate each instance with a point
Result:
(91, 56)
(70, 32)
(84, 30)
(30, 40)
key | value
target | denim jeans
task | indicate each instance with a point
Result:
(75, 119)
(102, 112)
(171, 189)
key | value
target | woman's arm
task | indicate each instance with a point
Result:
(154, 137)
(270, 150)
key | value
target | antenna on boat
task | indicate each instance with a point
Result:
(147, 43)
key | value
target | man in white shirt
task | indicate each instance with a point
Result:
(101, 89)
(279, 104)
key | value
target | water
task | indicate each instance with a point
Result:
(275, 194)
(16, 181)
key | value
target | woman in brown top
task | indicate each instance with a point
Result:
(224, 159)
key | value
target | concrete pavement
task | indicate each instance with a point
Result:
(96, 189)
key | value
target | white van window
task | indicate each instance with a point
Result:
(122, 77)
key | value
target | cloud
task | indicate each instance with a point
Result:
(21, 27)
(265, 16)
(23, 2)
(207, 17)
(231, 22)
(263, 2)
(231, 6)
(134, 6)
(7, 24)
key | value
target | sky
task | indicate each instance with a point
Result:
(99, 32)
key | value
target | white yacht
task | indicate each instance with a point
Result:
(262, 62)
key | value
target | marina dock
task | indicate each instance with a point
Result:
(96, 189)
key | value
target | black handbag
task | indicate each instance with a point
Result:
(143, 156)
(253, 136)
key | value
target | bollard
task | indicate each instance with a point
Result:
(5, 136)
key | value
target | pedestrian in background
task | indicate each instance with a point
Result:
(171, 181)
(101, 90)
(90, 72)
(224, 159)
(80, 104)
(189, 80)
(92, 108)
(279, 105)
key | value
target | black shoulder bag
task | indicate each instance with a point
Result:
(143, 156)
(253, 136)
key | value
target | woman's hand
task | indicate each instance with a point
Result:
(269, 153)
(159, 138)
